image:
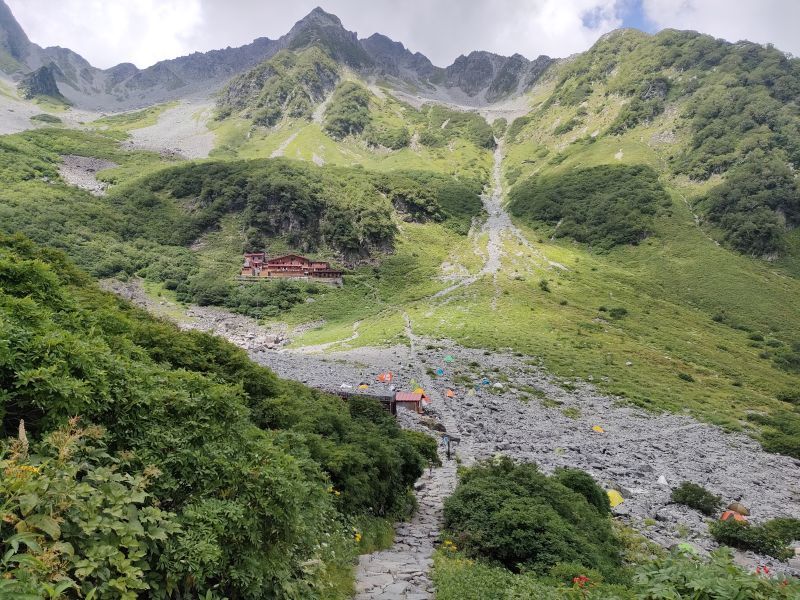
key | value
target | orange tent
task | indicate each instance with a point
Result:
(731, 514)
(385, 377)
(451, 394)
(739, 508)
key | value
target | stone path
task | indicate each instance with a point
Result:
(403, 571)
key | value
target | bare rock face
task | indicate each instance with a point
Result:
(394, 59)
(496, 75)
(13, 40)
(41, 82)
(326, 30)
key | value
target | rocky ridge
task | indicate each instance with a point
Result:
(476, 80)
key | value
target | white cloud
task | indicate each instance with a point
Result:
(107, 32)
(762, 21)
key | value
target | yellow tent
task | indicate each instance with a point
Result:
(598, 429)
(615, 498)
(419, 390)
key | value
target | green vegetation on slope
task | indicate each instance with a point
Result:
(348, 111)
(213, 477)
(355, 111)
(759, 199)
(129, 121)
(441, 125)
(289, 84)
(602, 206)
(736, 101)
(145, 228)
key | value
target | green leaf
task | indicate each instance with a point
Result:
(27, 502)
(46, 524)
(23, 538)
(63, 586)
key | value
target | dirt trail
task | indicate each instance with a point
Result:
(403, 571)
(317, 348)
(279, 151)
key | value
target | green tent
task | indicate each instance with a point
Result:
(448, 359)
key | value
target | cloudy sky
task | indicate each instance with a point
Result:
(107, 32)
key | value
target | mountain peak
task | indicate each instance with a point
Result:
(318, 16)
(323, 29)
(12, 38)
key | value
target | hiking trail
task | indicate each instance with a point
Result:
(402, 572)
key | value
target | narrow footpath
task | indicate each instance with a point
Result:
(403, 572)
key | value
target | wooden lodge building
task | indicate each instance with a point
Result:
(289, 266)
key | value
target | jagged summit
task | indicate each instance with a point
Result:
(319, 16)
(326, 30)
(477, 79)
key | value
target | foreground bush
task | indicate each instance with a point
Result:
(581, 482)
(84, 521)
(696, 497)
(683, 576)
(518, 516)
(674, 577)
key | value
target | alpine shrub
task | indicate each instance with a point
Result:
(696, 497)
(771, 538)
(517, 516)
(583, 483)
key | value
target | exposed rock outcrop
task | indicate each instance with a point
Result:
(41, 82)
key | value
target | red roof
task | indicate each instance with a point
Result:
(408, 397)
(289, 256)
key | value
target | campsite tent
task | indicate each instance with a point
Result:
(740, 508)
(615, 498)
(730, 514)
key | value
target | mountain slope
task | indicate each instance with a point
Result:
(702, 107)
